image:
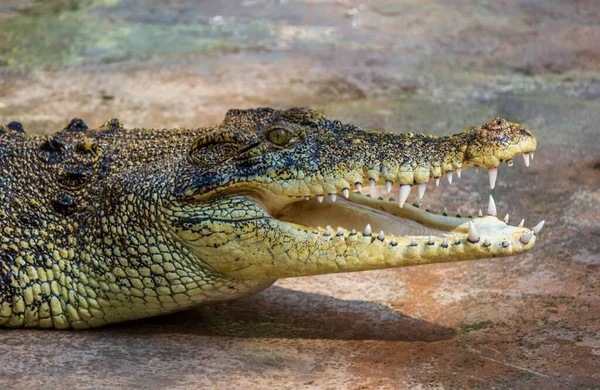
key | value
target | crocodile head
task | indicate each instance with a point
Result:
(270, 194)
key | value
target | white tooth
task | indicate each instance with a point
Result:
(333, 197)
(506, 219)
(458, 213)
(480, 213)
(458, 172)
(522, 223)
(421, 190)
(404, 192)
(346, 193)
(430, 242)
(327, 233)
(413, 242)
(437, 181)
(315, 231)
(393, 242)
(526, 158)
(381, 236)
(493, 172)
(388, 186)
(487, 242)
(492, 207)
(470, 213)
(307, 198)
(428, 208)
(505, 244)
(445, 212)
(473, 236)
(456, 240)
(536, 229)
(358, 187)
(320, 198)
(445, 243)
(531, 154)
(340, 232)
(525, 238)
(509, 163)
(368, 230)
(372, 182)
(353, 232)
(449, 176)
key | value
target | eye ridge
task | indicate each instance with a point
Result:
(279, 136)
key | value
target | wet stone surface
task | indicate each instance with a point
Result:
(522, 322)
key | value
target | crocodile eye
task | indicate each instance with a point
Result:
(279, 136)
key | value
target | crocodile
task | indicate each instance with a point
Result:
(108, 224)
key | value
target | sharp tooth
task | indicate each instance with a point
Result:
(340, 232)
(381, 236)
(458, 172)
(368, 230)
(320, 198)
(456, 240)
(487, 242)
(327, 232)
(307, 198)
(393, 242)
(526, 159)
(473, 236)
(449, 176)
(509, 163)
(531, 154)
(492, 207)
(505, 244)
(315, 231)
(372, 182)
(417, 202)
(346, 193)
(493, 172)
(388, 186)
(506, 219)
(404, 192)
(522, 223)
(458, 213)
(353, 232)
(480, 213)
(392, 199)
(421, 190)
(437, 181)
(413, 242)
(525, 238)
(445, 212)
(358, 187)
(470, 213)
(444, 243)
(536, 229)
(333, 197)
(428, 208)
(430, 242)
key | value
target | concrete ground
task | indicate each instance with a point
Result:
(530, 321)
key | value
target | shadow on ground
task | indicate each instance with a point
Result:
(284, 313)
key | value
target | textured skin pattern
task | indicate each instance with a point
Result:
(105, 225)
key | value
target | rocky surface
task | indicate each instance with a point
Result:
(523, 322)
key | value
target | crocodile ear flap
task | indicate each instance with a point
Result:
(215, 147)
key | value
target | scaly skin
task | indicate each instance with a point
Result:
(105, 225)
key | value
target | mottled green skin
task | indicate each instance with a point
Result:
(106, 225)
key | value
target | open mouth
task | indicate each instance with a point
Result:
(383, 212)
